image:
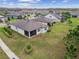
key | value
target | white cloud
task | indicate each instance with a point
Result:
(65, 1)
(53, 1)
(24, 4)
(13, 5)
(26, 0)
(30, 1)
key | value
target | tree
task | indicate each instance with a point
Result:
(12, 17)
(28, 16)
(7, 32)
(71, 52)
(70, 22)
(69, 41)
(8, 19)
(66, 15)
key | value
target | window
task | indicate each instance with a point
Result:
(38, 29)
(45, 28)
(13, 58)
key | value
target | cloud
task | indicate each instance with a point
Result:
(54, 1)
(15, 5)
(24, 4)
(65, 1)
(30, 1)
(26, 0)
(12, 4)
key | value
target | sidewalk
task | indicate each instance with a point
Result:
(3, 25)
(9, 53)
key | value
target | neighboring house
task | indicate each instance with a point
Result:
(54, 17)
(75, 14)
(29, 28)
(43, 20)
(11, 16)
(30, 16)
(15, 14)
(49, 19)
(2, 18)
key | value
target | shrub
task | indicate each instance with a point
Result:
(28, 48)
(49, 30)
(7, 32)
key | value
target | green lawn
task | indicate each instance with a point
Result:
(13, 20)
(75, 22)
(49, 45)
(45, 46)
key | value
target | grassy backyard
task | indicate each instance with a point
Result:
(75, 22)
(12, 20)
(49, 45)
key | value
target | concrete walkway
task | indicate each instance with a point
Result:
(5, 48)
(3, 25)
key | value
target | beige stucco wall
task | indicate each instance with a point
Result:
(17, 29)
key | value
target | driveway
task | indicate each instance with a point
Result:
(9, 53)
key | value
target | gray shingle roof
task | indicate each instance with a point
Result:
(49, 19)
(2, 17)
(75, 13)
(28, 25)
(43, 19)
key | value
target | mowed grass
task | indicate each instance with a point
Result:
(75, 22)
(49, 45)
(13, 20)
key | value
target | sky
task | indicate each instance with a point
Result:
(39, 3)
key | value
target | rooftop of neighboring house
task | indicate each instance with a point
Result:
(1, 16)
(28, 25)
(53, 16)
(75, 13)
(43, 19)
(16, 13)
(47, 19)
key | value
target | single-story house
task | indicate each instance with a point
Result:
(54, 17)
(75, 14)
(2, 18)
(28, 27)
(11, 16)
(15, 14)
(43, 19)
(48, 20)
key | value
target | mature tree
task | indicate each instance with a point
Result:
(70, 22)
(66, 15)
(8, 18)
(70, 43)
(28, 16)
